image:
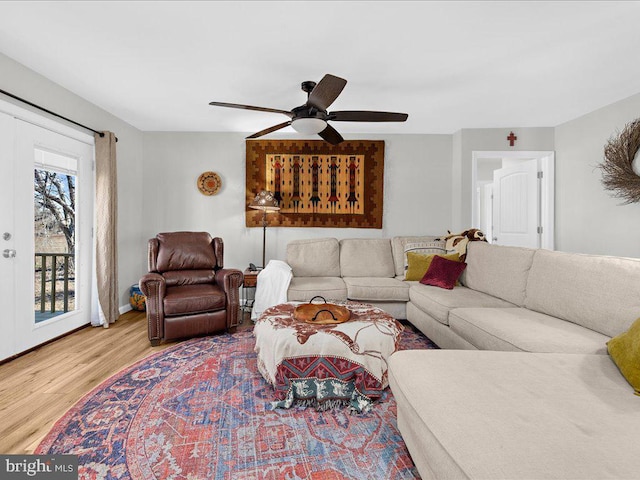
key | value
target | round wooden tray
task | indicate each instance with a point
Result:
(321, 313)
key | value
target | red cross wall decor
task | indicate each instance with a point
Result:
(512, 139)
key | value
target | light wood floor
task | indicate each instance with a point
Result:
(39, 387)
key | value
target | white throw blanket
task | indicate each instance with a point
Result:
(272, 286)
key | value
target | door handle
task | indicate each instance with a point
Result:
(9, 253)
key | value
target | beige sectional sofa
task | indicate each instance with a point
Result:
(543, 399)
(523, 387)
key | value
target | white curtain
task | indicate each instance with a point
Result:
(104, 305)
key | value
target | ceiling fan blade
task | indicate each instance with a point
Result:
(326, 91)
(269, 130)
(367, 116)
(250, 107)
(331, 135)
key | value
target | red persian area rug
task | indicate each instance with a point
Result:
(200, 410)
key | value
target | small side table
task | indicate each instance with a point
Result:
(250, 282)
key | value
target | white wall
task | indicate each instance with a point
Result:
(417, 192)
(486, 167)
(25, 83)
(588, 219)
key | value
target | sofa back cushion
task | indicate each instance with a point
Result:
(366, 257)
(318, 257)
(600, 293)
(498, 270)
(425, 245)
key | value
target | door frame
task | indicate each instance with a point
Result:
(40, 120)
(546, 165)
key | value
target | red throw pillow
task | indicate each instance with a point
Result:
(443, 273)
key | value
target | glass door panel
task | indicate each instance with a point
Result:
(54, 198)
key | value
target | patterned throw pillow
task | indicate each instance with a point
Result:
(423, 248)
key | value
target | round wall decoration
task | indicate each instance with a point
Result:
(209, 183)
(618, 172)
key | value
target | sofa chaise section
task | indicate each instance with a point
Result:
(509, 415)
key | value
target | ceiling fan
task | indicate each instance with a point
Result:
(312, 117)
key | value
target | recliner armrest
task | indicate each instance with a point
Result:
(153, 286)
(230, 280)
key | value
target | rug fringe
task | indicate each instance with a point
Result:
(353, 398)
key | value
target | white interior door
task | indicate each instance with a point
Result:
(516, 205)
(484, 163)
(67, 161)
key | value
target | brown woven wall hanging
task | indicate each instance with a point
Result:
(317, 184)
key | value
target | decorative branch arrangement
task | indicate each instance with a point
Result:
(617, 169)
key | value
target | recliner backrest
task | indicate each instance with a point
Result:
(185, 251)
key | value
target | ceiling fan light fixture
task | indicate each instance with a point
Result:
(309, 125)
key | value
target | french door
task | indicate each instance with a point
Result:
(45, 234)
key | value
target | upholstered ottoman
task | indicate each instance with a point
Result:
(326, 366)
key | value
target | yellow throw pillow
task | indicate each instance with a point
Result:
(625, 352)
(418, 264)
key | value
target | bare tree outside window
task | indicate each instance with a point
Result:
(54, 228)
(55, 198)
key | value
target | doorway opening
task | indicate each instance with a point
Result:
(512, 197)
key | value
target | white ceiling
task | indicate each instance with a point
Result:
(449, 65)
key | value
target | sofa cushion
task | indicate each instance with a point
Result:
(303, 289)
(597, 292)
(188, 277)
(366, 257)
(318, 257)
(519, 329)
(376, 289)
(498, 270)
(507, 415)
(437, 302)
(399, 246)
(625, 352)
(188, 299)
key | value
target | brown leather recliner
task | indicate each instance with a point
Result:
(188, 292)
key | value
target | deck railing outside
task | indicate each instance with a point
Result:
(50, 269)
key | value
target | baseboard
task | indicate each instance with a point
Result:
(125, 309)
